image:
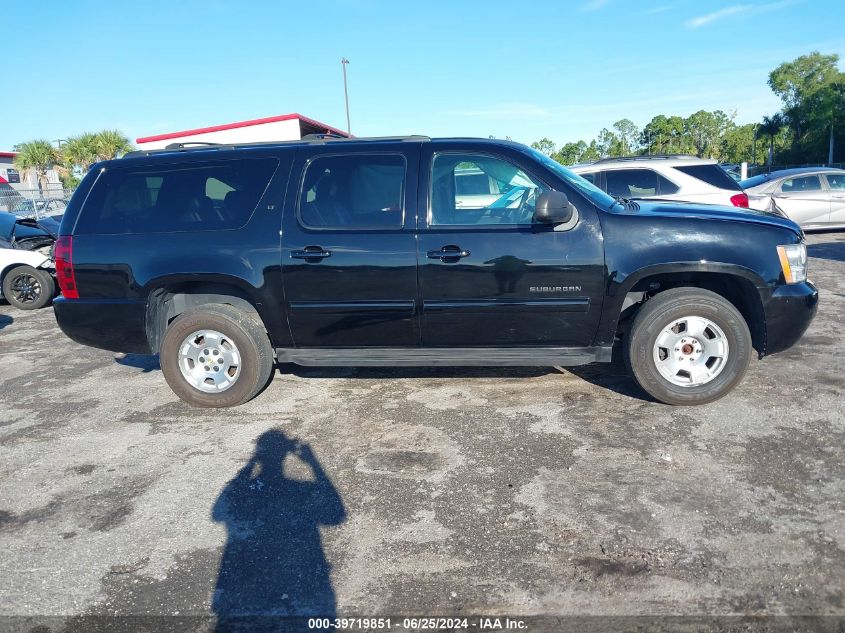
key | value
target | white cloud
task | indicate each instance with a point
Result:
(594, 5)
(736, 9)
(660, 9)
(702, 20)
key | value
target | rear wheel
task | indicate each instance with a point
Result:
(688, 346)
(28, 288)
(216, 356)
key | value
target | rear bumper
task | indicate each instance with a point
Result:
(789, 311)
(118, 326)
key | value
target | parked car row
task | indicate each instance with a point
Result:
(814, 197)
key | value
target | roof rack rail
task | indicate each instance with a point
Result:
(325, 135)
(644, 157)
(189, 144)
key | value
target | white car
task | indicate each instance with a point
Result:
(673, 177)
(26, 268)
(813, 197)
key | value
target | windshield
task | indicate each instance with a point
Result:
(754, 181)
(584, 186)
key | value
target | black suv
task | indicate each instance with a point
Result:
(415, 251)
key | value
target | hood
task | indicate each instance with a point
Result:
(48, 224)
(665, 209)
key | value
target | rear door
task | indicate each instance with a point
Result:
(836, 186)
(489, 276)
(804, 200)
(348, 246)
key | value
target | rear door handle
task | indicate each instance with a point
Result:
(448, 253)
(311, 252)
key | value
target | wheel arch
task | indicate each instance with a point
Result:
(737, 284)
(167, 301)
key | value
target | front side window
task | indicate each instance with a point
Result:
(355, 191)
(193, 196)
(836, 181)
(800, 184)
(475, 189)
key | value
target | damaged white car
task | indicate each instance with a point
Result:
(26, 264)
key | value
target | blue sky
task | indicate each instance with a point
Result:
(519, 69)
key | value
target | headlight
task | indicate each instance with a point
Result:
(793, 261)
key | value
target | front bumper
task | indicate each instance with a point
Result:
(789, 311)
(115, 325)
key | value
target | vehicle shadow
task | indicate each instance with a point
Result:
(5, 320)
(273, 564)
(834, 251)
(144, 362)
(612, 376)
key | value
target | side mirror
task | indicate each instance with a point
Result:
(553, 207)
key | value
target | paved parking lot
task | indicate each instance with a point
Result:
(442, 491)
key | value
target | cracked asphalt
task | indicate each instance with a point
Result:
(421, 491)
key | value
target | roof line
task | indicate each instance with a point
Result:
(239, 124)
(8, 154)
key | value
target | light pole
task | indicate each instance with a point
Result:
(343, 63)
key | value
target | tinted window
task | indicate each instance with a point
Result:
(509, 197)
(836, 181)
(666, 186)
(712, 175)
(589, 176)
(181, 197)
(754, 181)
(631, 183)
(802, 183)
(357, 191)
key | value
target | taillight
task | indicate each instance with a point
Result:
(740, 200)
(64, 267)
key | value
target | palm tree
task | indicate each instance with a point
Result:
(38, 155)
(80, 151)
(771, 126)
(110, 144)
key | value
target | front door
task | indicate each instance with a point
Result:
(488, 275)
(804, 200)
(348, 247)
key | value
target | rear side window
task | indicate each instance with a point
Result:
(355, 191)
(711, 174)
(589, 176)
(836, 181)
(194, 196)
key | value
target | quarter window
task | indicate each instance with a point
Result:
(803, 183)
(166, 198)
(474, 189)
(356, 191)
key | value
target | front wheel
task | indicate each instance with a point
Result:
(28, 288)
(216, 356)
(688, 346)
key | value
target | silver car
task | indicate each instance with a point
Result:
(814, 197)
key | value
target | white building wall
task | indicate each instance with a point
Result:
(275, 131)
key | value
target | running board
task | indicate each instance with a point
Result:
(444, 356)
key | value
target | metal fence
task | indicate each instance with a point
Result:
(34, 202)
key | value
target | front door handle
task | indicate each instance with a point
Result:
(311, 252)
(449, 253)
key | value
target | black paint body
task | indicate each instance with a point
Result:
(519, 286)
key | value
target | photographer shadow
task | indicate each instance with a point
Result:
(273, 565)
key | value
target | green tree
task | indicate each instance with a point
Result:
(80, 152)
(110, 144)
(571, 153)
(771, 127)
(544, 145)
(812, 90)
(628, 134)
(39, 155)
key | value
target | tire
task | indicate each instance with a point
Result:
(28, 288)
(708, 363)
(203, 384)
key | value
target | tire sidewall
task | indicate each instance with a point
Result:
(650, 323)
(44, 279)
(252, 375)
